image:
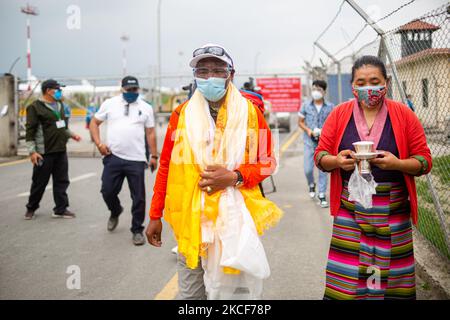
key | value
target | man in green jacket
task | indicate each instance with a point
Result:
(46, 136)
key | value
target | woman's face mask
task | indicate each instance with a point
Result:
(213, 89)
(369, 96)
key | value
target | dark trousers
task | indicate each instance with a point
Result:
(57, 166)
(114, 172)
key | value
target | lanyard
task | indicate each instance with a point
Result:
(56, 113)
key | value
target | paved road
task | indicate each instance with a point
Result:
(35, 254)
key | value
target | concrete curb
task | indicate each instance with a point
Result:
(86, 153)
(431, 266)
(11, 159)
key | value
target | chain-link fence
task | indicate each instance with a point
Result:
(420, 49)
(420, 77)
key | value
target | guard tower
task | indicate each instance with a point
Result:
(416, 36)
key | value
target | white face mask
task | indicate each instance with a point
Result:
(316, 95)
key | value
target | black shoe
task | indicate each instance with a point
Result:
(114, 221)
(323, 201)
(138, 239)
(29, 215)
(312, 191)
(66, 215)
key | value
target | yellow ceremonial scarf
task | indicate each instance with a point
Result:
(183, 207)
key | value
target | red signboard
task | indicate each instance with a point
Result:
(284, 93)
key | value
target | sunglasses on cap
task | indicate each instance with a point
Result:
(217, 51)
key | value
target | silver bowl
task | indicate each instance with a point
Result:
(363, 146)
(364, 152)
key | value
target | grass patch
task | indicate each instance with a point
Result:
(430, 228)
(423, 191)
(425, 286)
(441, 168)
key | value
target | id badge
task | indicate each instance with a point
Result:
(60, 124)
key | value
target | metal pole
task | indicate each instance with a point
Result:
(338, 64)
(13, 65)
(394, 71)
(339, 81)
(124, 39)
(16, 112)
(256, 61)
(124, 60)
(365, 16)
(28, 51)
(29, 11)
(158, 19)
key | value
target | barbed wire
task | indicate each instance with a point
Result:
(365, 25)
(326, 29)
(332, 21)
(421, 18)
(351, 41)
(394, 11)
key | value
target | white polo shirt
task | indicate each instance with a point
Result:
(126, 134)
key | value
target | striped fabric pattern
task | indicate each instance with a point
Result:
(371, 252)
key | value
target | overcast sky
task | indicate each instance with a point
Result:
(276, 34)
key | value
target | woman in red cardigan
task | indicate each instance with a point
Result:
(371, 252)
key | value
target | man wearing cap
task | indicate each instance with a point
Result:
(46, 137)
(128, 117)
(216, 150)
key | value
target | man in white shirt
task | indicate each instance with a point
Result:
(127, 117)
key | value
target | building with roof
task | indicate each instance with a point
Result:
(424, 73)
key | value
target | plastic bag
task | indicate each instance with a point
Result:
(361, 188)
(241, 246)
(233, 242)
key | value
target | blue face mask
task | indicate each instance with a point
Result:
(130, 97)
(213, 89)
(57, 95)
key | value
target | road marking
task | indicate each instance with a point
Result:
(84, 177)
(289, 141)
(12, 163)
(79, 178)
(169, 292)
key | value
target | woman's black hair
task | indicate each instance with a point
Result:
(369, 60)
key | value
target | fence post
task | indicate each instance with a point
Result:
(338, 65)
(8, 118)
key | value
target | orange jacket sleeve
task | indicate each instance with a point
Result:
(159, 189)
(266, 162)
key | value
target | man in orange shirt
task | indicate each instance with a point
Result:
(189, 193)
